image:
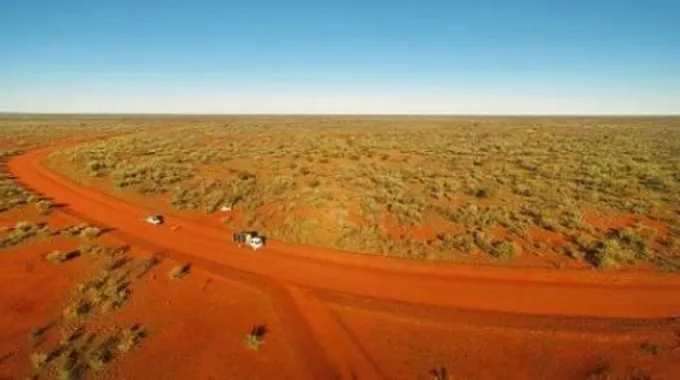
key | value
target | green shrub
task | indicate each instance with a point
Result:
(634, 241)
(609, 254)
(482, 241)
(462, 242)
(502, 249)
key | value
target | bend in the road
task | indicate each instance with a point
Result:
(513, 291)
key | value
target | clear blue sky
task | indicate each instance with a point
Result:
(371, 56)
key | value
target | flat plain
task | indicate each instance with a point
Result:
(397, 247)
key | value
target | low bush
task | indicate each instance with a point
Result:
(255, 338)
(502, 249)
(23, 231)
(609, 254)
(59, 257)
(180, 271)
(90, 232)
(131, 338)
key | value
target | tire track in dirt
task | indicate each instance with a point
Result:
(348, 356)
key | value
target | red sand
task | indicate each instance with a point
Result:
(404, 346)
(353, 344)
(32, 292)
(198, 325)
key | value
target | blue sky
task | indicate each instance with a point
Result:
(372, 56)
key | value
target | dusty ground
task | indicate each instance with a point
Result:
(328, 313)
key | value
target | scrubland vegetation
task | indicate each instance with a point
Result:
(11, 194)
(22, 231)
(84, 348)
(21, 133)
(597, 192)
(606, 191)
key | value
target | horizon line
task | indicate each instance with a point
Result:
(38, 113)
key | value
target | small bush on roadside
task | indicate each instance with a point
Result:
(23, 231)
(131, 338)
(462, 242)
(77, 309)
(180, 271)
(439, 373)
(59, 257)
(39, 359)
(255, 338)
(44, 207)
(90, 232)
(482, 241)
(145, 265)
(634, 241)
(73, 231)
(502, 249)
(609, 254)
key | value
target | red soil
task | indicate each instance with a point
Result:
(606, 221)
(415, 315)
(406, 344)
(198, 326)
(553, 239)
(33, 291)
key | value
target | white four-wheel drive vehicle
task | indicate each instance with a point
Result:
(155, 219)
(250, 238)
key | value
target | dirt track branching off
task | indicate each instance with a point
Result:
(600, 191)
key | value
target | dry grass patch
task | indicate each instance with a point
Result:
(59, 257)
(82, 230)
(82, 353)
(22, 231)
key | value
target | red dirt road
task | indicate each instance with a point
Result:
(298, 277)
(532, 291)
